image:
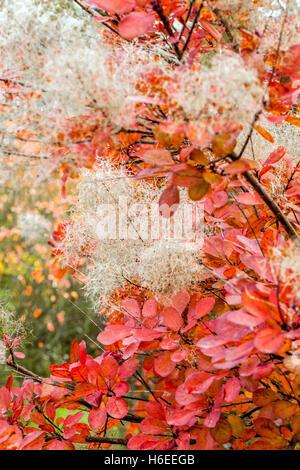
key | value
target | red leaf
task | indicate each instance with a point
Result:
(117, 407)
(180, 300)
(132, 307)
(163, 364)
(198, 382)
(153, 426)
(155, 410)
(150, 308)
(169, 201)
(257, 306)
(142, 442)
(269, 340)
(113, 333)
(97, 417)
(172, 318)
(275, 156)
(32, 441)
(249, 199)
(181, 417)
(120, 389)
(74, 351)
(136, 24)
(128, 368)
(232, 389)
(204, 306)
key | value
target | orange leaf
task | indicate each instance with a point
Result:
(264, 396)
(266, 427)
(265, 134)
(222, 432)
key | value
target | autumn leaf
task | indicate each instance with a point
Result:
(222, 432)
(265, 134)
(198, 191)
(113, 6)
(136, 24)
(223, 145)
(159, 157)
(169, 200)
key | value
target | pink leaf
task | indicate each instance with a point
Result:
(239, 352)
(211, 342)
(181, 417)
(19, 355)
(120, 389)
(240, 317)
(212, 418)
(117, 407)
(113, 333)
(172, 318)
(269, 340)
(204, 306)
(113, 6)
(275, 156)
(169, 201)
(180, 300)
(150, 308)
(146, 334)
(97, 417)
(132, 307)
(220, 198)
(248, 366)
(232, 389)
(128, 368)
(249, 199)
(136, 24)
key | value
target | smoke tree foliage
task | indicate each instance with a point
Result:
(172, 103)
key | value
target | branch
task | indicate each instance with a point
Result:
(107, 440)
(24, 371)
(90, 12)
(269, 201)
(191, 31)
(157, 7)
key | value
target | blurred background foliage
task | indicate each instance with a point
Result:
(47, 310)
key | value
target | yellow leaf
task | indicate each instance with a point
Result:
(197, 192)
(223, 145)
(237, 425)
(222, 432)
